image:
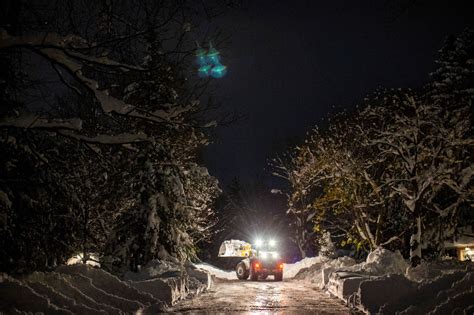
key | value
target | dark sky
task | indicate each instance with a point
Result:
(293, 62)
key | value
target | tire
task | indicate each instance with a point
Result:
(241, 271)
(278, 276)
(253, 275)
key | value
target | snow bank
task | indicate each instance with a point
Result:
(291, 270)
(156, 269)
(82, 289)
(108, 297)
(200, 280)
(320, 271)
(218, 273)
(381, 262)
(432, 270)
(14, 293)
(108, 282)
(345, 281)
(374, 293)
(63, 301)
(169, 281)
(168, 292)
(443, 293)
(385, 284)
(344, 284)
(65, 285)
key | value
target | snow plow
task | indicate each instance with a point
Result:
(259, 261)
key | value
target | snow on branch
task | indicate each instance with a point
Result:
(124, 138)
(30, 121)
(67, 44)
(56, 49)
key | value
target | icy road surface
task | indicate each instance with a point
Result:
(262, 297)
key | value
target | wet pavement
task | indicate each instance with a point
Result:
(262, 297)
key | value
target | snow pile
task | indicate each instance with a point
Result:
(218, 273)
(291, 270)
(320, 271)
(376, 292)
(381, 262)
(343, 282)
(169, 281)
(14, 293)
(156, 269)
(450, 293)
(384, 284)
(433, 270)
(200, 280)
(82, 289)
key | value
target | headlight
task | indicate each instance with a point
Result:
(275, 255)
(258, 243)
(272, 243)
(264, 255)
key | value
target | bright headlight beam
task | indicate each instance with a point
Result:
(258, 243)
(275, 255)
(272, 243)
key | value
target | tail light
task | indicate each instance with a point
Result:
(257, 265)
(281, 266)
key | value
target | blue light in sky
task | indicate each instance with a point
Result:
(219, 71)
(209, 63)
(204, 71)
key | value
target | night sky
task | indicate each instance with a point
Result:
(291, 63)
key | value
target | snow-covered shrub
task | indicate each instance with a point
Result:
(327, 247)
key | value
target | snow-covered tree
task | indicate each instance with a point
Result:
(303, 185)
(423, 141)
(401, 161)
(69, 87)
(335, 185)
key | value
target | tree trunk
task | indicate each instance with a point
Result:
(302, 251)
(415, 243)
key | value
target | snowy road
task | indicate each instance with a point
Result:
(262, 297)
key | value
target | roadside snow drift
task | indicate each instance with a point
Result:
(290, 270)
(81, 289)
(218, 273)
(385, 284)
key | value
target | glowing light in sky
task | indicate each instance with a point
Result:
(210, 63)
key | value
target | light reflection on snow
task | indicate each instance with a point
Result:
(93, 259)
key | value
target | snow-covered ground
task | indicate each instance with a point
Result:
(385, 284)
(83, 289)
